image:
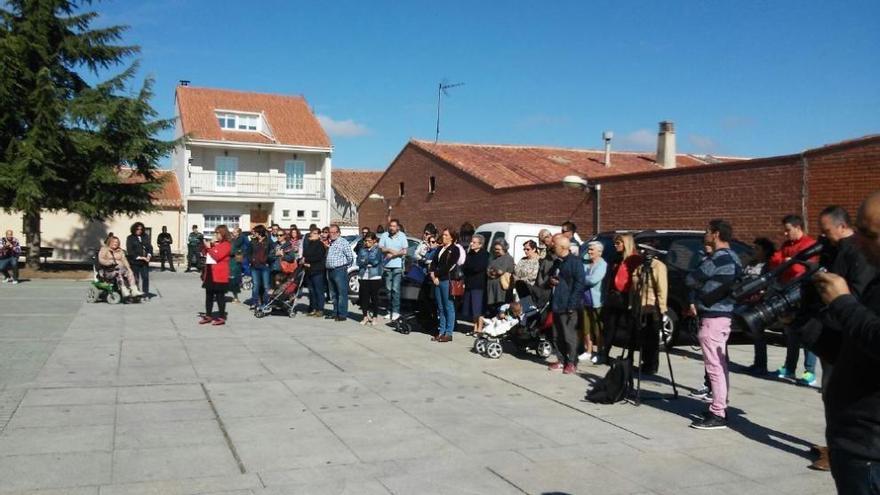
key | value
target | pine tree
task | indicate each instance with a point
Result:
(63, 140)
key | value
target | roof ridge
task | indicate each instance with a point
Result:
(241, 91)
(540, 147)
(343, 169)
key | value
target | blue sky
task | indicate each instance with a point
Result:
(748, 78)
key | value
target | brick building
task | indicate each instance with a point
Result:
(449, 183)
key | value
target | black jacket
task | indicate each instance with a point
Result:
(315, 254)
(138, 246)
(474, 269)
(852, 397)
(445, 260)
(164, 240)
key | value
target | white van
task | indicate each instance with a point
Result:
(515, 234)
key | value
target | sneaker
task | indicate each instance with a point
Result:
(587, 356)
(710, 422)
(569, 369)
(708, 398)
(808, 379)
(394, 316)
(783, 373)
(557, 366)
(365, 321)
(13, 281)
(7, 280)
(701, 393)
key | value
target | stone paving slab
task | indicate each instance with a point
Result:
(140, 399)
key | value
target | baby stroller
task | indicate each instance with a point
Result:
(530, 332)
(415, 295)
(284, 296)
(106, 285)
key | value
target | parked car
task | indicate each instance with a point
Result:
(354, 283)
(683, 250)
(514, 233)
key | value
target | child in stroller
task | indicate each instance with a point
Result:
(286, 293)
(520, 322)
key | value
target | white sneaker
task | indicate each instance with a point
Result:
(13, 282)
(587, 356)
(394, 316)
(135, 292)
(125, 291)
(7, 280)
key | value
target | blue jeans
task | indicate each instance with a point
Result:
(791, 355)
(260, 278)
(316, 290)
(7, 263)
(393, 277)
(854, 476)
(339, 291)
(445, 308)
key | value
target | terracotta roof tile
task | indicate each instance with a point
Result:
(167, 197)
(354, 185)
(502, 166)
(289, 117)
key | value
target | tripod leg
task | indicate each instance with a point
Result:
(671, 374)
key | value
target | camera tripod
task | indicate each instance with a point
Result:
(640, 320)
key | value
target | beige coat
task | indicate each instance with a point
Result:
(659, 280)
(110, 258)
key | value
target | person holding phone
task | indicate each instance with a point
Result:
(215, 278)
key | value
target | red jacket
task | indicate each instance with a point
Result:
(790, 248)
(623, 276)
(220, 252)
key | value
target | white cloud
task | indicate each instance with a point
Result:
(342, 128)
(703, 144)
(639, 140)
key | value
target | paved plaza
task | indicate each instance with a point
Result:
(139, 399)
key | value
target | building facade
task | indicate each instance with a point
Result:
(250, 158)
(350, 187)
(448, 184)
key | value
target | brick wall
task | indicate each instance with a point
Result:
(754, 196)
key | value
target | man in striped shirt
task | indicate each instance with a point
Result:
(339, 258)
(711, 277)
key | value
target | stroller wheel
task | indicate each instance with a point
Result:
(260, 312)
(114, 297)
(494, 350)
(403, 327)
(544, 349)
(292, 311)
(480, 345)
(93, 295)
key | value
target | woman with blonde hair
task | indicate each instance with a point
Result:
(616, 306)
(112, 257)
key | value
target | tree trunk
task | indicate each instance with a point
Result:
(32, 238)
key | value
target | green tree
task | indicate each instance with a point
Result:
(63, 140)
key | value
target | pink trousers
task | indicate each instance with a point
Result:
(713, 340)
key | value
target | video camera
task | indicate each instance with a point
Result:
(649, 253)
(774, 300)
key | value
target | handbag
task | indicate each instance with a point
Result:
(456, 288)
(505, 280)
(288, 266)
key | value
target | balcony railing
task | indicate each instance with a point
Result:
(254, 184)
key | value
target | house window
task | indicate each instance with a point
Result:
(400, 189)
(285, 213)
(214, 221)
(227, 167)
(300, 214)
(238, 121)
(315, 214)
(294, 171)
(432, 184)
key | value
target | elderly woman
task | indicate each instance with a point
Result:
(500, 272)
(527, 268)
(112, 258)
(476, 263)
(595, 268)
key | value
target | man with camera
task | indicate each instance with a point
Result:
(714, 275)
(852, 346)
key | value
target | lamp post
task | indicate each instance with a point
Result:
(577, 182)
(379, 197)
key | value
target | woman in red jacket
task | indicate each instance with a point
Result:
(216, 275)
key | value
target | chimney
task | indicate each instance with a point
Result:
(607, 136)
(666, 145)
(184, 82)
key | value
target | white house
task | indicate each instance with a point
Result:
(250, 158)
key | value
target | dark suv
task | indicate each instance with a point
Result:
(683, 253)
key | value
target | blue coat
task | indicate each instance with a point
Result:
(568, 295)
(369, 261)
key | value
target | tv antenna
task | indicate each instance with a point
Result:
(442, 90)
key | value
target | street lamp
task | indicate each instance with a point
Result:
(577, 182)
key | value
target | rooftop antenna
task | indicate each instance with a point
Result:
(442, 90)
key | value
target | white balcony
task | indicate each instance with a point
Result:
(213, 183)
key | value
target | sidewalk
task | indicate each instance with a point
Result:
(139, 399)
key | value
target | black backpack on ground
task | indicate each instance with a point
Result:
(616, 384)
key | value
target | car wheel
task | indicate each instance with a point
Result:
(669, 328)
(354, 285)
